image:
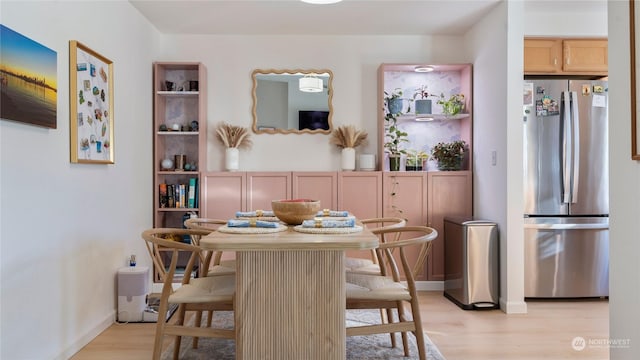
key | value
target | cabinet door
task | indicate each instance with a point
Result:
(542, 56)
(405, 196)
(263, 187)
(586, 56)
(450, 194)
(360, 193)
(321, 186)
(223, 193)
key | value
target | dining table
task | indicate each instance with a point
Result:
(290, 289)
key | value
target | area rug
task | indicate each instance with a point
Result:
(371, 347)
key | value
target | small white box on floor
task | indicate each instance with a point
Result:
(133, 288)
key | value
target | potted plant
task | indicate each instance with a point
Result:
(449, 155)
(423, 104)
(394, 136)
(452, 106)
(347, 137)
(393, 101)
(415, 160)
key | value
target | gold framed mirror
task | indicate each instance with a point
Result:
(635, 84)
(292, 101)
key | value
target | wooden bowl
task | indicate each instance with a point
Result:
(295, 211)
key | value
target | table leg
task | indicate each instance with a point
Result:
(290, 305)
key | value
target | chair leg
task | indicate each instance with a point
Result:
(402, 318)
(157, 343)
(415, 312)
(179, 321)
(197, 323)
(209, 318)
(389, 319)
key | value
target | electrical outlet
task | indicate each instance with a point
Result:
(494, 158)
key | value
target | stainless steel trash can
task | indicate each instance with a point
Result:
(471, 263)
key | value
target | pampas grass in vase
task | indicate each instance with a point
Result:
(233, 138)
(347, 137)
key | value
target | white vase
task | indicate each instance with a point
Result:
(348, 159)
(232, 159)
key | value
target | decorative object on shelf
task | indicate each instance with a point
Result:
(394, 136)
(167, 164)
(453, 106)
(367, 162)
(449, 155)
(179, 162)
(194, 126)
(233, 138)
(416, 160)
(169, 85)
(91, 105)
(175, 127)
(347, 137)
(422, 104)
(163, 127)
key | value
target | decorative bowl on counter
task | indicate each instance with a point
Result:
(295, 211)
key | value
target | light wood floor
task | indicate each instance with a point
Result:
(546, 332)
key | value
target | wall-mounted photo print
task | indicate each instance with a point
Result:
(28, 80)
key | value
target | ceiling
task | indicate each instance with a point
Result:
(293, 17)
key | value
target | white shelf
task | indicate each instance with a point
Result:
(174, 133)
(178, 93)
(431, 117)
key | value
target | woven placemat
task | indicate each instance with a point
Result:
(251, 230)
(335, 230)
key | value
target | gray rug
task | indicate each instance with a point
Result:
(371, 347)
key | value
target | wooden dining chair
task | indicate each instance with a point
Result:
(211, 293)
(388, 291)
(211, 261)
(370, 265)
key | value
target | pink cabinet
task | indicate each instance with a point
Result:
(450, 194)
(361, 193)
(223, 193)
(263, 187)
(321, 186)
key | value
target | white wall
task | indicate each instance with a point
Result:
(66, 228)
(354, 61)
(624, 178)
(496, 44)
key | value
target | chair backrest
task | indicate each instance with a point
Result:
(375, 224)
(210, 225)
(421, 236)
(159, 241)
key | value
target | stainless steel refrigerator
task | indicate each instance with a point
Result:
(566, 188)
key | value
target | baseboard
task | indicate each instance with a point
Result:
(67, 353)
(513, 307)
(430, 285)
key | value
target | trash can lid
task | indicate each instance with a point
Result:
(467, 220)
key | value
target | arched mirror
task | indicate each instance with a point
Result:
(292, 101)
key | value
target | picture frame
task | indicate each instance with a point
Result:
(91, 112)
(634, 35)
(28, 79)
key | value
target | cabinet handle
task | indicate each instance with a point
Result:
(555, 61)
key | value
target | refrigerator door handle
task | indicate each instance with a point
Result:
(575, 124)
(565, 120)
(597, 226)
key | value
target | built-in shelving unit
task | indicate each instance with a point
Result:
(179, 128)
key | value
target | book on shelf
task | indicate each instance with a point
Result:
(191, 200)
(171, 193)
(163, 203)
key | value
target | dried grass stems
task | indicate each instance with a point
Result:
(347, 136)
(233, 136)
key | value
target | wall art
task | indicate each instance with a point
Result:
(28, 80)
(91, 105)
